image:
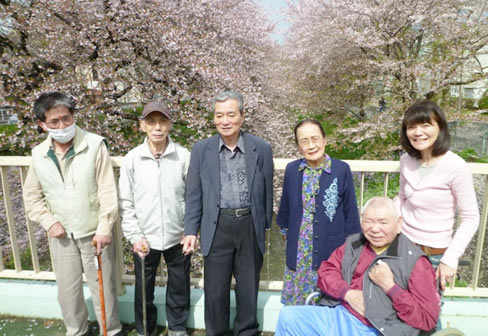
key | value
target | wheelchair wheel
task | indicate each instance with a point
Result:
(449, 332)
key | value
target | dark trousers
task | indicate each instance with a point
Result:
(234, 251)
(177, 289)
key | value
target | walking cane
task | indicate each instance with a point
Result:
(143, 277)
(98, 264)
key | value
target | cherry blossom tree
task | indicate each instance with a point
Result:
(109, 53)
(345, 54)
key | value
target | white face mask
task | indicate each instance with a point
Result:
(62, 135)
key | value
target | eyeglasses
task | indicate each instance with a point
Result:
(306, 141)
(66, 120)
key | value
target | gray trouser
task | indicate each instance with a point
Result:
(72, 258)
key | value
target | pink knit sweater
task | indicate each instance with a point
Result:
(428, 206)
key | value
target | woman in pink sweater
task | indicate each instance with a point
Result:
(435, 184)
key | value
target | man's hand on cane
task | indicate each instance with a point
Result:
(100, 241)
(141, 247)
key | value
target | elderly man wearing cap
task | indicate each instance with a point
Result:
(152, 205)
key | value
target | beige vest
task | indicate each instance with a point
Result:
(71, 198)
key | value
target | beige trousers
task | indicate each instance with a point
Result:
(71, 258)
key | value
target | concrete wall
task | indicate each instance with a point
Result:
(38, 299)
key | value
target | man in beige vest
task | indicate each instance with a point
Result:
(70, 190)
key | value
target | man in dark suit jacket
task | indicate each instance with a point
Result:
(229, 198)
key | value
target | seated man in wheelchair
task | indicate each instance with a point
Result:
(377, 283)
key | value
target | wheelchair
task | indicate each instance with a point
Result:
(443, 332)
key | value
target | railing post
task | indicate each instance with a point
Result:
(10, 218)
(481, 238)
(268, 253)
(385, 184)
(361, 192)
(119, 258)
(1, 260)
(30, 228)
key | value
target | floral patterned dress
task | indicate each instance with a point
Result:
(297, 285)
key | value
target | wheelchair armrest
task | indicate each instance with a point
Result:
(309, 298)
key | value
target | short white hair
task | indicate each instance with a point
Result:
(386, 201)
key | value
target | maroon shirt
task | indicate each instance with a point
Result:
(418, 306)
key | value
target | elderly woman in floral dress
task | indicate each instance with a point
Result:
(318, 210)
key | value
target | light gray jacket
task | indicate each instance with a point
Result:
(152, 195)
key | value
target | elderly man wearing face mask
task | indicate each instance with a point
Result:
(70, 191)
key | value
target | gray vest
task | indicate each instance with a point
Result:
(401, 257)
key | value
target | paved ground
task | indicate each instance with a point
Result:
(15, 326)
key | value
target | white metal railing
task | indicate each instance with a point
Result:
(21, 164)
